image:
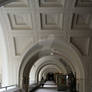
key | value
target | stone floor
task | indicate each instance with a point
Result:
(49, 86)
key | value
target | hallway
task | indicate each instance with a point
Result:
(49, 86)
(49, 39)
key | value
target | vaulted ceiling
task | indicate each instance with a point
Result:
(25, 22)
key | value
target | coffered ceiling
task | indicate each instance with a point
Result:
(25, 22)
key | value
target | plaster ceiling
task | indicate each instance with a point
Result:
(26, 22)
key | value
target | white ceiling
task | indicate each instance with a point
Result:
(28, 21)
(25, 22)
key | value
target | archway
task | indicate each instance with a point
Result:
(42, 49)
(48, 68)
(48, 60)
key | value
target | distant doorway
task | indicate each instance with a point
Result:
(50, 77)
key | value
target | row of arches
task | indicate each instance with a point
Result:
(61, 54)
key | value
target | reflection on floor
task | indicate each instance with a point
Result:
(49, 86)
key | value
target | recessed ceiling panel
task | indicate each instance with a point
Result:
(51, 21)
(21, 44)
(84, 3)
(82, 44)
(82, 21)
(18, 3)
(20, 21)
(51, 3)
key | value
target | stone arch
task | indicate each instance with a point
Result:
(63, 49)
(45, 72)
(45, 68)
(49, 69)
(49, 61)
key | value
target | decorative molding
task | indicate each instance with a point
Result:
(20, 21)
(84, 3)
(82, 21)
(82, 44)
(51, 3)
(51, 21)
(18, 3)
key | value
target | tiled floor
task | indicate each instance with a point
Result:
(49, 86)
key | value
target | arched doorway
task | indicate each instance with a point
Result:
(62, 50)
